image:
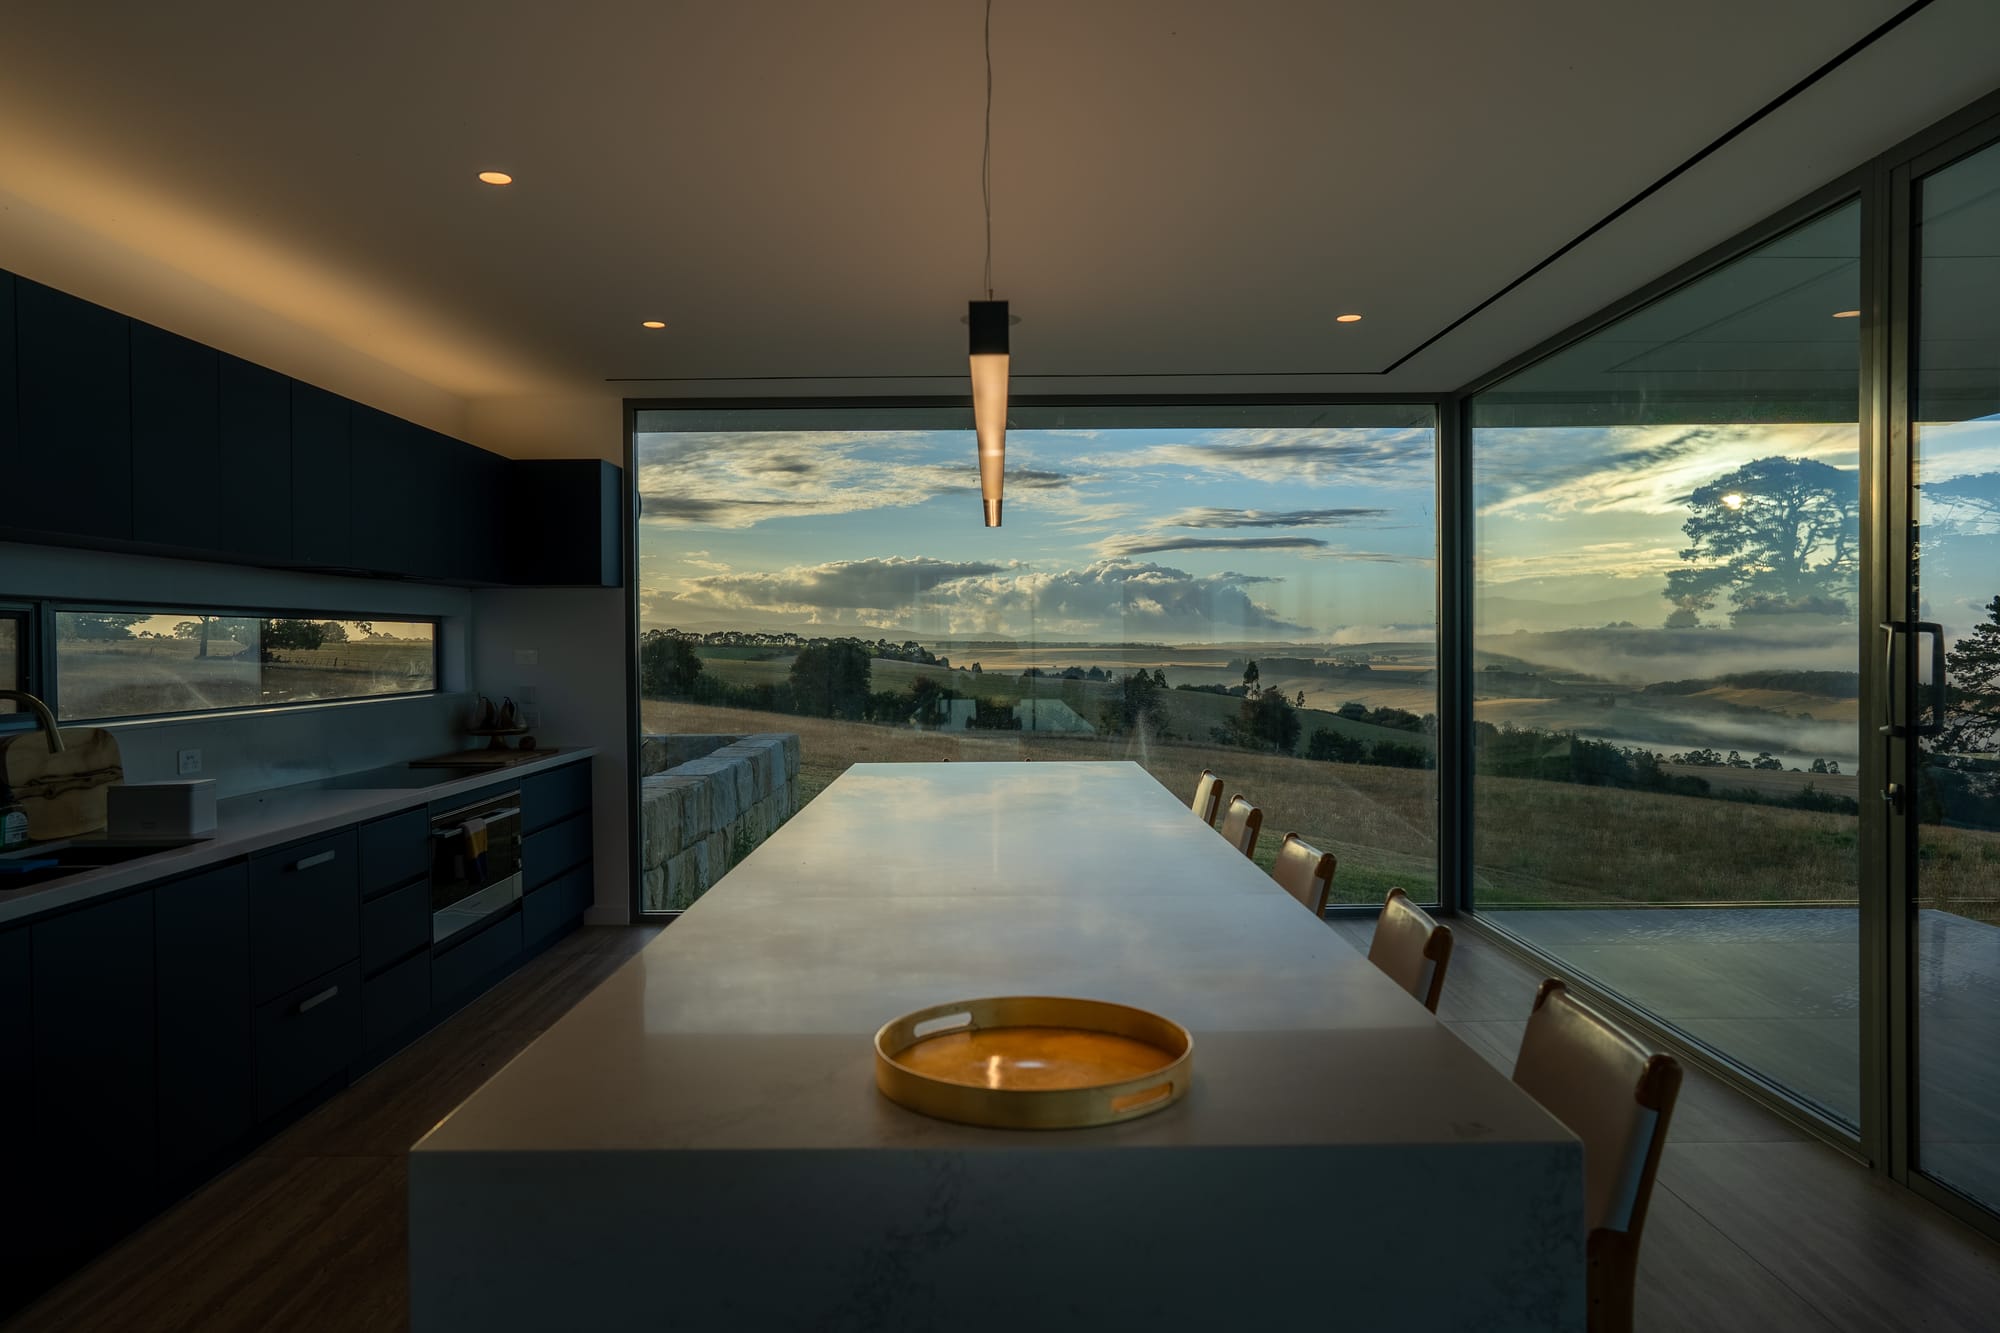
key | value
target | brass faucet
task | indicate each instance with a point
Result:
(42, 713)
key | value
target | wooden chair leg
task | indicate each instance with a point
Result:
(1612, 1261)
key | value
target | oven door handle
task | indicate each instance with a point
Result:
(453, 830)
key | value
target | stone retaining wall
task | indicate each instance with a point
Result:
(705, 802)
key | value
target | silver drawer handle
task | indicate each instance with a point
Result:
(315, 1001)
(319, 860)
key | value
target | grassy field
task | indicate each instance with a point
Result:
(1540, 843)
(1191, 716)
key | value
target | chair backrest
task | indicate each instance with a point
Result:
(1617, 1097)
(1612, 1092)
(1413, 949)
(1207, 800)
(1304, 871)
(1240, 824)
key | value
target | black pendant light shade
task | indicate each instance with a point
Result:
(987, 323)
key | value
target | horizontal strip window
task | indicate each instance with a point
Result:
(113, 663)
(13, 653)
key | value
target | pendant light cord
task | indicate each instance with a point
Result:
(986, 158)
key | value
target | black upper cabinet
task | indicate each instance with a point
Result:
(567, 526)
(381, 478)
(202, 960)
(476, 512)
(95, 1153)
(176, 459)
(73, 364)
(253, 495)
(126, 436)
(322, 478)
(9, 407)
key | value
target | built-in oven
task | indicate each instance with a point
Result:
(475, 864)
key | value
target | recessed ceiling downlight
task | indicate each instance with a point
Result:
(1347, 319)
(1847, 314)
(652, 324)
(496, 178)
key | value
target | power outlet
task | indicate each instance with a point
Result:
(187, 762)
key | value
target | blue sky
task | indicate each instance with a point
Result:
(1218, 536)
(1204, 536)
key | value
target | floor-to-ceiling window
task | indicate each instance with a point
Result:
(1954, 593)
(1665, 664)
(1250, 590)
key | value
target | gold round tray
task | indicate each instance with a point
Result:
(1033, 1062)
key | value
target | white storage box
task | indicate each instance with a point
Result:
(161, 809)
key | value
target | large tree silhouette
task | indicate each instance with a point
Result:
(1972, 710)
(1776, 535)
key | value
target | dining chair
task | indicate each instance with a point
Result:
(1240, 823)
(1207, 800)
(1413, 949)
(1305, 872)
(1617, 1097)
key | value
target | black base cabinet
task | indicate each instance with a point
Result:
(18, 1226)
(149, 1040)
(91, 1160)
(201, 960)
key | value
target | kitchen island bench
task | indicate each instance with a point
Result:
(700, 1144)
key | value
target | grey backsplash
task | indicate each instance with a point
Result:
(246, 752)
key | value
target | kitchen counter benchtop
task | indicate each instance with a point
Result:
(712, 1107)
(258, 820)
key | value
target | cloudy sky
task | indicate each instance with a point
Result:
(1578, 526)
(1206, 536)
(1221, 536)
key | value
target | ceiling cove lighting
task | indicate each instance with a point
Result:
(496, 178)
(986, 325)
(1347, 319)
(1847, 314)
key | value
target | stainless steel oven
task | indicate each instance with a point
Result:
(475, 864)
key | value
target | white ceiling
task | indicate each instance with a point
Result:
(1180, 187)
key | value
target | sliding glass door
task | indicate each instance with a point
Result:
(1666, 675)
(1949, 724)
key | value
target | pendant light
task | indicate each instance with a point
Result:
(986, 322)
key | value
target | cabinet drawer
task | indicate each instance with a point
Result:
(395, 1004)
(549, 910)
(307, 1037)
(305, 913)
(547, 854)
(464, 970)
(394, 925)
(395, 851)
(556, 794)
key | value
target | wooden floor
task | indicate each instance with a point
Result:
(1753, 1226)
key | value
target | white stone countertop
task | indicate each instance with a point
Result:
(258, 820)
(749, 1022)
(699, 1143)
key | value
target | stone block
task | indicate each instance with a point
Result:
(652, 756)
(657, 811)
(653, 889)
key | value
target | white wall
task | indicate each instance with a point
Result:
(266, 747)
